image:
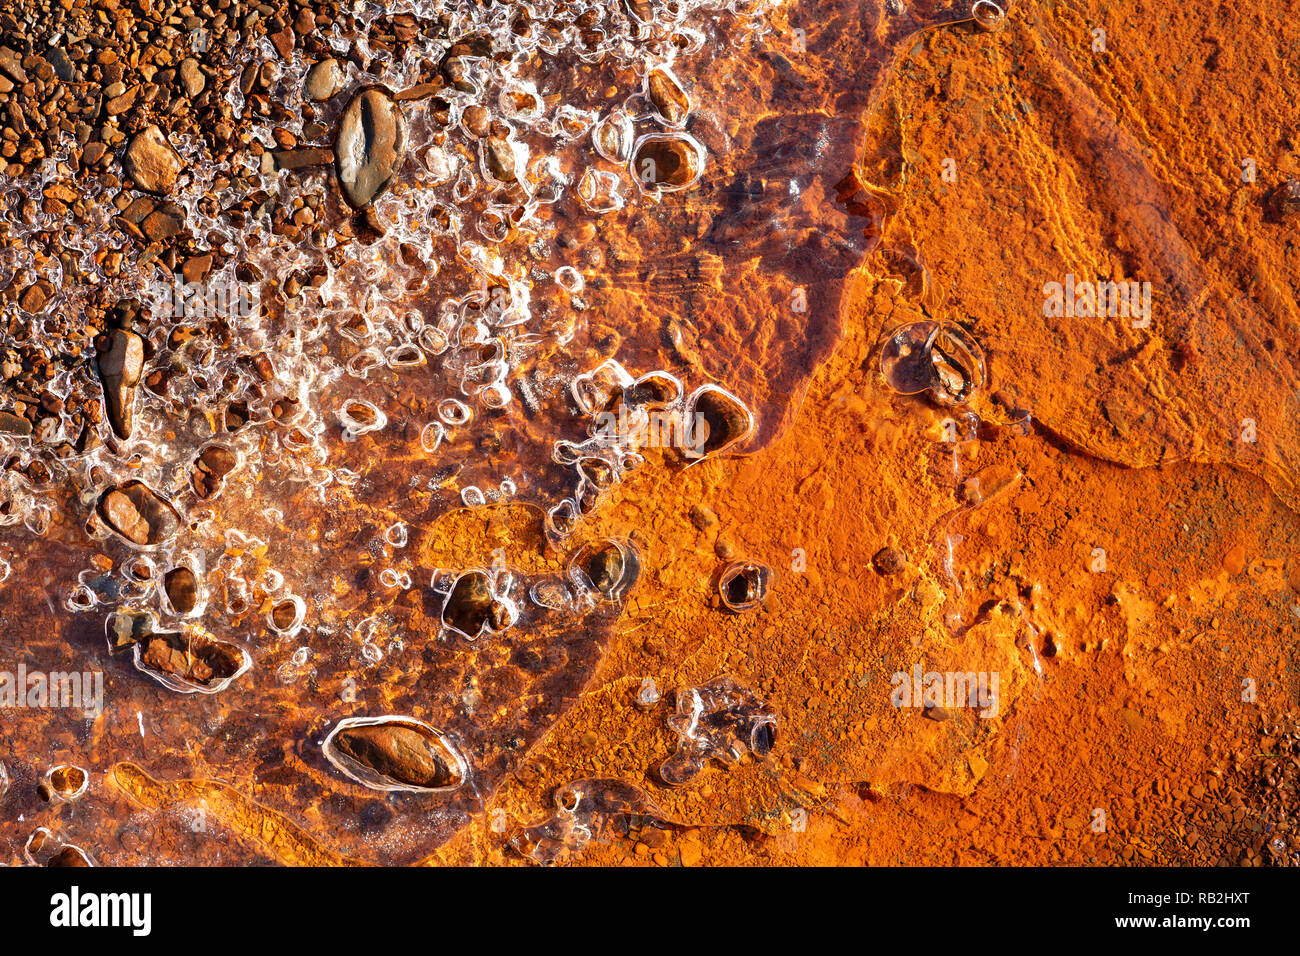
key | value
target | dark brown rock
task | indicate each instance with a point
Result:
(11, 424)
(182, 589)
(303, 157)
(667, 96)
(193, 658)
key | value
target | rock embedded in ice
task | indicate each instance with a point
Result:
(370, 147)
(323, 80)
(151, 161)
(395, 753)
(120, 365)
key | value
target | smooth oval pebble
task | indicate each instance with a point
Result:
(323, 80)
(370, 147)
(395, 753)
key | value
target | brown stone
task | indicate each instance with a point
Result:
(165, 222)
(119, 371)
(193, 657)
(669, 99)
(69, 856)
(323, 80)
(666, 161)
(304, 157)
(151, 161)
(192, 77)
(36, 296)
(12, 64)
(182, 589)
(404, 753)
(501, 158)
(139, 515)
(370, 147)
(11, 424)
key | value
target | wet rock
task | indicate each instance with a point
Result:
(119, 372)
(304, 157)
(939, 358)
(610, 568)
(743, 585)
(151, 161)
(190, 661)
(667, 96)
(135, 512)
(70, 856)
(612, 137)
(654, 390)
(11, 63)
(667, 162)
(285, 615)
(126, 627)
(11, 424)
(887, 561)
(370, 147)
(182, 589)
(715, 421)
(956, 364)
(395, 753)
(499, 153)
(211, 468)
(63, 783)
(324, 80)
(36, 296)
(477, 121)
(192, 77)
(471, 606)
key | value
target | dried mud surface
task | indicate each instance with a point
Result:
(1159, 689)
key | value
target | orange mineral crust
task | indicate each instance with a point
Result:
(795, 434)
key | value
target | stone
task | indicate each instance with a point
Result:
(667, 161)
(370, 147)
(303, 157)
(36, 296)
(395, 753)
(191, 660)
(135, 512)
(667, 96)
(119, 372)
(323, 80)
(182, 589)
(192, 77)
(11, 424)
(151, 161)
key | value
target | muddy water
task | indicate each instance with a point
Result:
(672, 191)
